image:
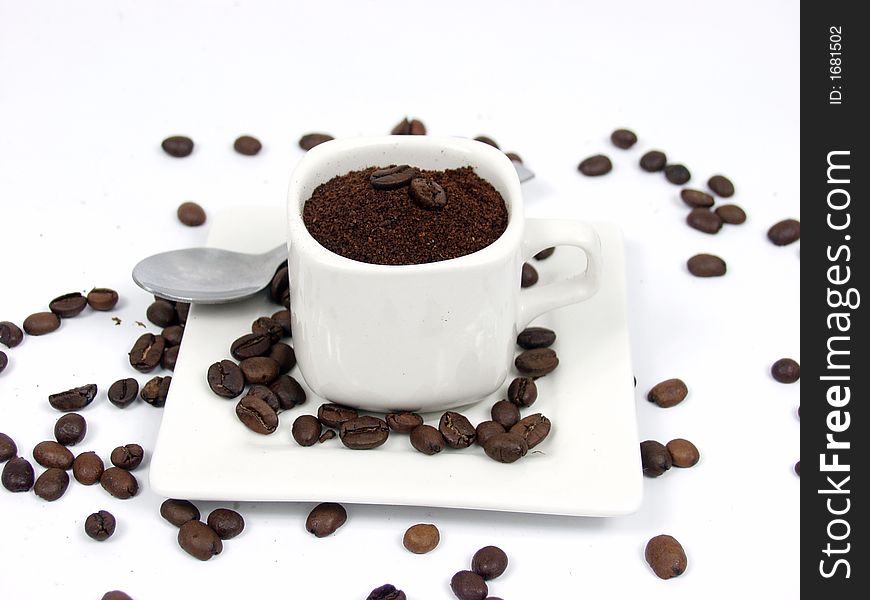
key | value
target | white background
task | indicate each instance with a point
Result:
(88, 91)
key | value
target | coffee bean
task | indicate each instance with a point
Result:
(797, 468)
(706, 265)
(421, 538)
(74, 399)
(8, 449)
(306, 430)
(327, 435)
(334, 415)
(182, 309)
(288, 391)
(514, 157)
(123, 392)
(179, 512)
(251, 345)
(190, 214)
(485, 430)
(155, 390)
(468, 585)
(68, 305)
(363, 433)
(325, 518)
(623, 138)
(282, 317)
(257, 415)
(102, 299)
(786, 370)
(387, 592)
(4, 360)
(522, 391)
(536, 337)
(654, 458)
(403, 422)
(87, 468)
(17, 475)
(505, 413)
(666, 556)
(506, 447)
(486, 140)
(489, 562)
(127, 457)
(225, 379)
(52, 484)
(545, 253)
(100, 525)
(170, 357)
(731, 214)
(116, 595)
(653, 161)
(406, 127)
(697, 198)
(310, 140)
(41, 323)
(677, 174)
(427, 194)
(284, 356)
(668, 393)
(534, 429)
(595, 165)
(51, 454)
(178, 146)
(280, 284)
(781, 234)
(161, 313)
(260, 369)
(266, 326)
(10, 334)
(199, 540)
(721, 186)
(427, 439)
(457, 431)
(226, 523)
(172, 335)
(683, 453)
(392, 178)
(537, 362)
(147, 352)
(119, 483)
(247, 145)
(704, 220)
(529, 276)
(265, 394)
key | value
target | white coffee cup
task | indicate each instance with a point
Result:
(420, 337)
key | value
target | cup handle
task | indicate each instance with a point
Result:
(544, 233)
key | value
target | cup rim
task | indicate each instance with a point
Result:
(318, 160)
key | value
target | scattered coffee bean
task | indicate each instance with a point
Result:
(505, 413)
(363, 433)
(288, 391)
(654, 458)
(721, 186)
(786, 370)
(677, 174)
(52, 484)
(514, 157)
(427, 439)
(485, 430)
(178, 146)
(668, 393)
(393, 178)
(190, 214)
(529, 276)
(247, 145)
(325, 518)
(522, 391)
(623, 138)
(74, 399)
(421, 538)
(127, 457)
(279, 285)
(179, 512)
(489, 562)
(87, 468)
(162, 313)
(534, 429)
(17, 475)
(123, 392)
(545, 253)
(155, 390)
(182, 309)
(706, 265)
(282, 317)
(731, 214)
(697, 198)
(4, 360)
(457, 431)
(306, 430)
(387, 592)
(468, 585)
(781, 234)
(260, 369)
(487, 140)
(68, 305)
(427, 194)
(147, 352)
(170, 357)
(251, 345)
(51, 454)
(403, 422)
(334, 415)
(327, 435)
(536, 337)
(704, 219)
(653, 161)
(266, 326)
(10, 334)
(257, 415)
(41, 323)
(226, 523)
(506, 447)
(8, 449)
(225, 379)
(797, 468)
(265, 394)
(116, 595)
(684, 454)
(537, 362)
(199, 540)
(310, 140)
(102, 299)
(666, 556)
(406, 127)
(100, 525)
(172, 335)
(119, 483)
(284, 356)
(595, 165)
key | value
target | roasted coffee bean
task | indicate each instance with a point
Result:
(666, 556)
(199, 540)
(529, 276)
(226, 523)
(545, 253)
(147, 352)
(514, 157)
(325, 518)
(190, 214)
(119, 483)
(247, 145)
(178, 146)
(17, 475)
(534, 429)
(155, 390)
(786, 370)
(623, 138)
(536, 337)
(179, 512)
(68, 305)
(668, 393)
(116, 595)
(653, 161)
(457, 431)
(684, 454)
(283, 355)
(266, 326)
(427, 194)
(677, 174)
(182, 309)
(403, 422)
(506, 447)
(127, 457)
(797, 468)
(265, 394)
(279, 285)
(257, 415)
(123, 392)
(704, 219)
(74, 399)
(363, 433)
(102, 299)
(172, 335)
(326, 435)
(468, 585)
(721, 186)
(162, 313)
(51, 454)
(731, 214)
(781, 234)
(487, 140)
(225, 379)
(489, 562)
(88, 468)
(41, 323)
(170, 357)
(595, 165)
(4, 360)
(386, 592)
(310, 140)
(406, 127)
(260, 369)
(100, 525)
(485, 430)
(505, 413)
(654, 458)
(537, 362)
(697, 198)
(282, 317)
(52, 484)
(421, 538)
(288, 391)
(251, 345)
(334, 415)
(8, 449)
(10, 334)
(306, 430)
(392, 178)
(427, 439)
(706, 265)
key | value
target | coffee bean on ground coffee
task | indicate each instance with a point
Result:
(684, 454)
(70, 429)
(485, 430)
(653, 161)
(623, 138)
(41, 323)
(706, 265)
(536, 337)
(10, 334)
(731, 214)
(178, 146)
(427, 194)
(703, 219)
(325, 518)
(199, 540)
(781, 234)
(17, 475)
(387, 592)
(537, 362)
(721, 186)
(51, 454)
(534, 429)
(666, 556)
(102, 299)
(364, 433)
(306, 430)
(100, 525)
(468, 585)
(595, 165)
(123, 392)
(489, 562)
(409, 127)
(127, 457)
(88, 468)
(529, 276)
(697, 198)
(421, 538)
(68, 305)
(190, 214)
(226, 523)
(668, 393)
(677, 174)
(786, 370)
(427, 439)
(179, 512)
(74, 399)
(52, 484)
(8, 449)
(655, 458)
(247, 145)
(119, 483)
